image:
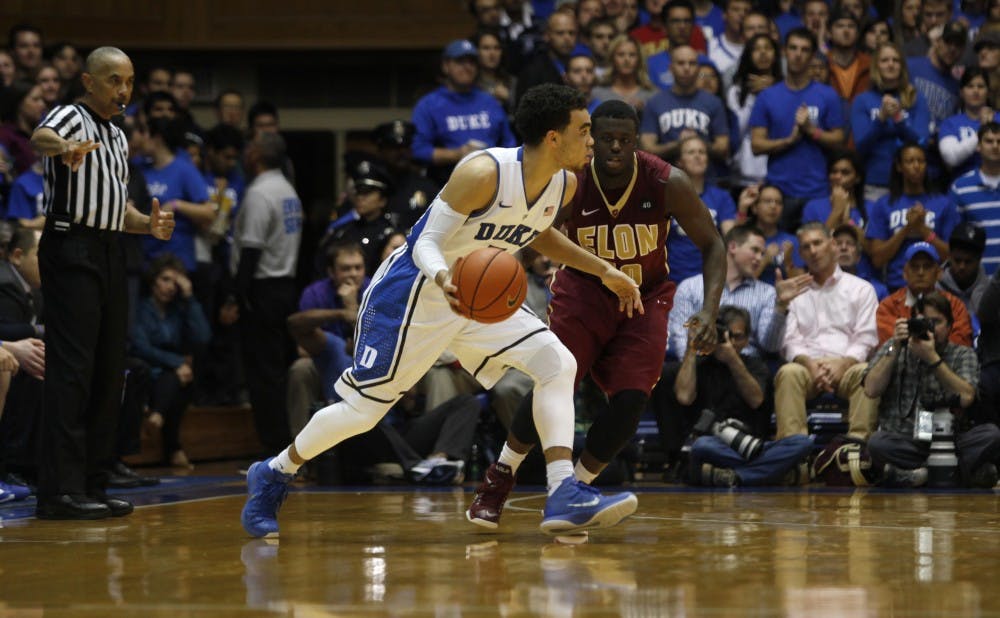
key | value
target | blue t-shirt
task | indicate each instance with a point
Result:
(713, 24)
(787, 22)
(178, 180)
(667, 114)
(961, 127)
(683, 256)
(26, 196)
(448, 119)
(939, 89)
(877, 141)
(799, 171)
(885, 218)
(779, 238)
(819, 210)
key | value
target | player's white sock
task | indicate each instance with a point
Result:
(284, 464)
(556, 471)
(511, 458)
(583, 474)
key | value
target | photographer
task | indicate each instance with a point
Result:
(918, 369)
(735, 418)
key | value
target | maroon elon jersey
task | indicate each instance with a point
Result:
(627, 227)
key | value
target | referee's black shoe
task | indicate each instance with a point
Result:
(67, 506)
(117, 506)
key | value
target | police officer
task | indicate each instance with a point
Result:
(414, 190)
(85, 306)
(367, 222)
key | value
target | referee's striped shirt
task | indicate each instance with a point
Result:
(95, 195)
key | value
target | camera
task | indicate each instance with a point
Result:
(942, 463)
(731, 431)
(920, 328)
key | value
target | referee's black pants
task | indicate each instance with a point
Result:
(267, 349)
(85, 313)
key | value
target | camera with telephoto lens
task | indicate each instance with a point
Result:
(731, 431)
(920, 328)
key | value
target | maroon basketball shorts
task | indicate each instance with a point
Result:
(621, 353)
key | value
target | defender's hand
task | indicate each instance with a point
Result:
(627, 291)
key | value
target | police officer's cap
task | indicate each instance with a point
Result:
(395, 133)
(367, 174)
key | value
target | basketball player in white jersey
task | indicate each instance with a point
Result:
(501, 197)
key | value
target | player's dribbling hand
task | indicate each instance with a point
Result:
(443, 280)
(629, 298)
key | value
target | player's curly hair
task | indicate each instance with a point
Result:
(544, 108)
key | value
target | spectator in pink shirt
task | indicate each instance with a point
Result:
(829, 333)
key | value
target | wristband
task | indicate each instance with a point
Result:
(931, 237)
(741, 216)
(815, 134)
(934, 366)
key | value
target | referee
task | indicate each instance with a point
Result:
(85, 305)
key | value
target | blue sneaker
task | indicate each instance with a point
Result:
(268, 489)
(576, 506)
(17, 492)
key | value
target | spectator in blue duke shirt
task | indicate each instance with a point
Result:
(457, 118)
(891, 113)
(795, 122)
(908, 214)
(180, 187)
(932, 74)
(958, 135)
(684, 110)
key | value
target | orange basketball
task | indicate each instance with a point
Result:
(491, 285)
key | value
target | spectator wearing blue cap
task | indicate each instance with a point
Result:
(921, 271)
(457, 118)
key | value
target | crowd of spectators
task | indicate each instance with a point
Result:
(849, 155)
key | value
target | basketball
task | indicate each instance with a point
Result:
(491, 285)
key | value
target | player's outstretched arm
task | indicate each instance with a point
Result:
(557, 247)
(692, 215)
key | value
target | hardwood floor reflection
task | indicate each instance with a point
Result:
(412, 553)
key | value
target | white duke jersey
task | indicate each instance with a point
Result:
(508, 222)
(405, 321)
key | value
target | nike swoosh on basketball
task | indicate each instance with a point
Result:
(587, 213)
(581, 505)
(511, 302)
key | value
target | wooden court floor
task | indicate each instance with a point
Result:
(403, 552)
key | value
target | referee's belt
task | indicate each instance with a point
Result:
(61, 226)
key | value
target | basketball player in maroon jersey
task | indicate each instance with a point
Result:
(621, 212)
